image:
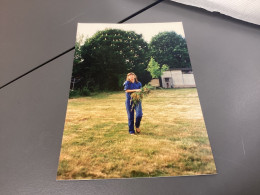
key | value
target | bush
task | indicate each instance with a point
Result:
(85, 92)
(77, 93)
(74, 93)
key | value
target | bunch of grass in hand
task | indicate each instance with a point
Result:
(137, 97)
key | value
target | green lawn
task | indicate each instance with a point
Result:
(96, 143)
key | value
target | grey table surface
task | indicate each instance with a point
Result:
(225, 58)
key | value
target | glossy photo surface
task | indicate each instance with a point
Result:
(133, 107)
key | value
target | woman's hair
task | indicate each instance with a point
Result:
(131, 73)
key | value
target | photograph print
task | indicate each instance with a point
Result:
(133, 108)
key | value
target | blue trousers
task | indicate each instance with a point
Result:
(130, 114)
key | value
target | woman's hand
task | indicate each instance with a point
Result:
(132, 90)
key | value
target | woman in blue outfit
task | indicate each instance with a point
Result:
(132, 85)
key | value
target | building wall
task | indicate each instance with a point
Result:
(188, 79)
(177, 79)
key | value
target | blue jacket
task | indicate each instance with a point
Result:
(130, 85)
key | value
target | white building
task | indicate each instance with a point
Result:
(178, 78)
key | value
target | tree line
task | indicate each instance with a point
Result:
(103, 60)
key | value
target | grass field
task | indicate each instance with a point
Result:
(96, 143)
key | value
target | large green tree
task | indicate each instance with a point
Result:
(109, 55)
(171, 49)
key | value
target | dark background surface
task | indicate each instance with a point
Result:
(224, 54)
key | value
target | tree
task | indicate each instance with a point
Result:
(155, 70)
(79, 70)
(77, 54)
(110, 54)
(171, 49)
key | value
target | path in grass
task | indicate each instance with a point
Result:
(96, 143)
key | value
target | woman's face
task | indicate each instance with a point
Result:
(131, 77)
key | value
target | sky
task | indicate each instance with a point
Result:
(148, 30)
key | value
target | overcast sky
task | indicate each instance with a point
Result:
(148, 30)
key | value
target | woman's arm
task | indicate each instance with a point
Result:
(132, 90)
